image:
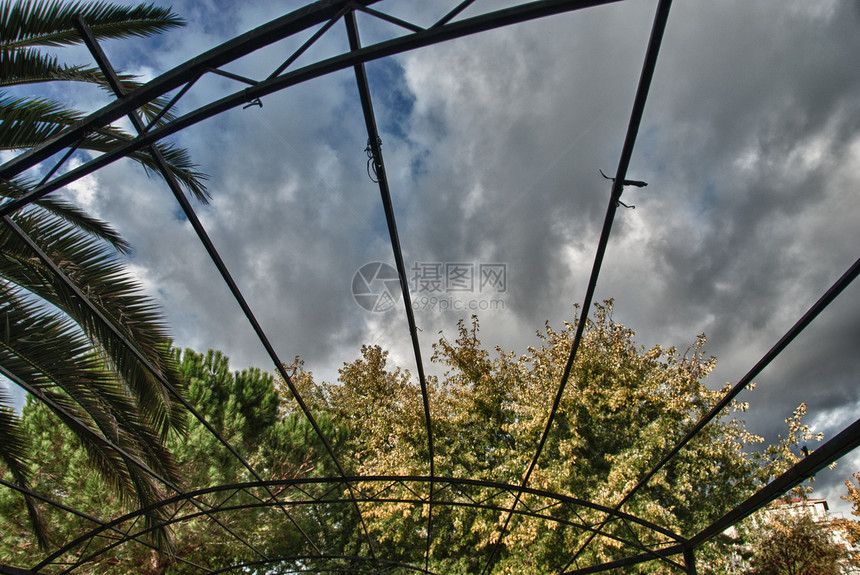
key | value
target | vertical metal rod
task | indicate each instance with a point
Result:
(659, 27)
(647, 74)
(690, 560)
(382, 181)
(116, 86)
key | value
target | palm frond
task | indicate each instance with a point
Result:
(72, 214)
(80, 390)
(86, 342)
(28, 114)
(29, 66)
(112, 454)
(102, 280)
(179, 164)
(14, 444)
(49, 23)
(26, 122)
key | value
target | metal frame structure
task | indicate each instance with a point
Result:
(432, 491)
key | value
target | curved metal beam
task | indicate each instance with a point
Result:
(628, 561)
(387, 562)
(658, 28)
(302, 486)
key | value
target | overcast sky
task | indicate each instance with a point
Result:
(750, 145)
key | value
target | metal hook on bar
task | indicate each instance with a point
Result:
(371, 160)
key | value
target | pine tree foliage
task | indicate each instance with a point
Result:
(243, 406)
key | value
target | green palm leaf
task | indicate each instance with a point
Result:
(97, 367)
(102, 279)
(41, 350)
(69, 213)
(29, 66)
(26, 122)
(41, 23)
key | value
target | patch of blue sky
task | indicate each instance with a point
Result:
(16, 396)
(707, 199)
(648, 145)
(375, 234)
(178, 214)
(217, 18)
(417, 166)
(649, 163)
(37, 173)
(392, 99)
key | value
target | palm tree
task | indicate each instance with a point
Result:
(89, 345)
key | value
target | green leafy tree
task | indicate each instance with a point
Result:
(50, 342)
(624, 407)
(850, 528)
(794, 544)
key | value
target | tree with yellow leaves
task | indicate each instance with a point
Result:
(624, 407)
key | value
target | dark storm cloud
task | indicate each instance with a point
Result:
(759, 116)
(523, 121)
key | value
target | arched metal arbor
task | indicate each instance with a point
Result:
(432, 491)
